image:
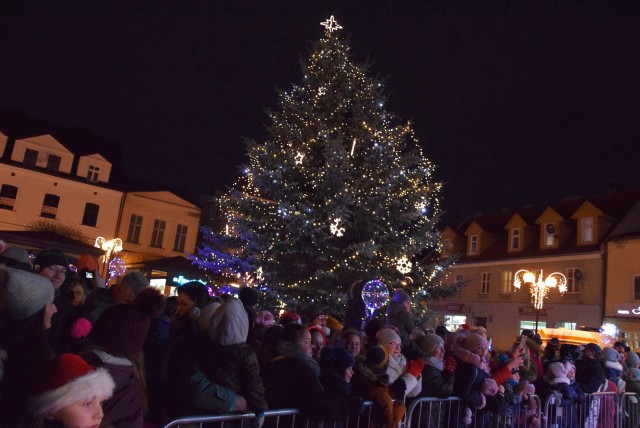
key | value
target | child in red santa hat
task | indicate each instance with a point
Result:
(69, 393)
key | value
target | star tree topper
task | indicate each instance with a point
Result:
(331, 25)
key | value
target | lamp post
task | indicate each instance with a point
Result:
(540, 288)
(110, 247)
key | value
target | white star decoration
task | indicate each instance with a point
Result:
(331, 25)
(403, 265)
(322, 90)
(335, 227)
(299, 158)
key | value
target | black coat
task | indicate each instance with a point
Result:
(590, 376)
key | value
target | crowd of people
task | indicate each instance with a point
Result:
(73, 353)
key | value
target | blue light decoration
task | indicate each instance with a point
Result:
(375, 295)
(117, 267)
(181, 280)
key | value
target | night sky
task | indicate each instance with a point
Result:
(517, 102)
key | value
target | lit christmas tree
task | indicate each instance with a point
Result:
(339, 192)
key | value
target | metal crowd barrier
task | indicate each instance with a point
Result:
(598, 410)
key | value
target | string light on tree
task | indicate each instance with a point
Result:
(335, 227)
(322, 90)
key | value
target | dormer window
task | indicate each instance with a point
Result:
(515, 238)
(586, 230)
(30, 157)
(473, 244)
(53, 163)
(92, 174)
(447, 247)
(549, 234)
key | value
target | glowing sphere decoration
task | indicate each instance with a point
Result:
(117, 267)
(375, 294)
(608, 333)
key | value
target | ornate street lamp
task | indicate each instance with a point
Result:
(540, 288)
(111, 247)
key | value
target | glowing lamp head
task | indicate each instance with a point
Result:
(529, 278)
(551, 281)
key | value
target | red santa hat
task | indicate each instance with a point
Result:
(65, 380)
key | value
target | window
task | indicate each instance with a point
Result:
(53, 163)
(93, 173)
(181, 237)
(8, 195)
(158, 233)
(447, 247)
(531, 325)
(515, 238)
(459, 277)
(507, 281)
(586, 226)
(549, 237)
(636, 287)
(50, 206)
(30, 157)
(572, 281)
(473, 244)
(566, 324)
(90, 217)
(486, 281)
(135, 224)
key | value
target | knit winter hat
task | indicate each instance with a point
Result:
(634, 374)
(229, 324)
(595, 348)
(632, 358)
(386, 335)
(65, 380)
(288, 316)
(611, 354)
(122, 328)
(248, 296)
(336, 358)
(87, 261)
(401, 297)
(473, 341)
(205, 315)
(377, 359)
(48, 258)
(429, 342)
(17, 258)
(22, 293)
(196, 292)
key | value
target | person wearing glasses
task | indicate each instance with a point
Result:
(53, 265)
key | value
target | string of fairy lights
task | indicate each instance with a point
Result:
(337, 180)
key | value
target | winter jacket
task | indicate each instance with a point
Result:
(125, 409)
(590, 375)
(234, 367)
(400, 318)
(386, 413)
(290, 383)
(434, 383)
(467, 383)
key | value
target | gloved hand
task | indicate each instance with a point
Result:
(258, 421)
(489, 387)
(415, 367)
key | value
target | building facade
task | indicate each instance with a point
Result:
(43, 184)
(570, 237)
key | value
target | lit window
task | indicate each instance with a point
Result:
(50, 206)
(549, 234)
(586, 226)
(507, 282)
(486, 281)
(135, 225)
(473, 244)
(181, 237)
(157, 236)
(515, 238)
(90, 217)
(8, 194)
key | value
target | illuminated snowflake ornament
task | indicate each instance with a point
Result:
(299, 157)
(403, 265)
(322, 90)
(335, 227)
(331, 25)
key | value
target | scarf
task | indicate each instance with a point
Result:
(435, 363)
(291, 350)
